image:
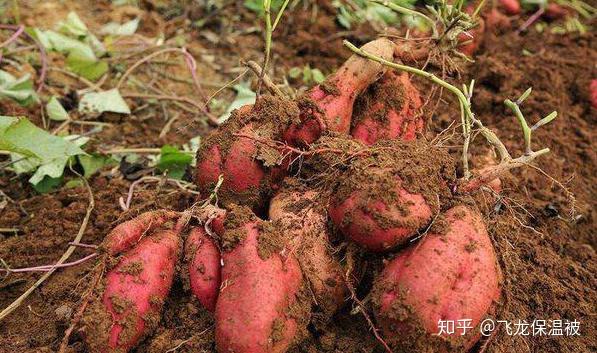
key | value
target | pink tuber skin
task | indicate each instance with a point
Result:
(134, 294)
(246, 178)
(203, 258)
(511, 7)
(252, 311)
(125, 235)
(555, 11)
(381, 120)
(376, 225)
(329, 105)
(297, 211)
(447, 276)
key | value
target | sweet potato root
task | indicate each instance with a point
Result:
(133, 295)
(452, 274)
(296, 210)
(390, 193)
(260, 283)
(329, 106)
(203, 259)
(127, 234)
(251, 170)
(389, 109)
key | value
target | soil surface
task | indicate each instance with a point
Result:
(542, 224)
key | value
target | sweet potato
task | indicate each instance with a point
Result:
(133, 295)
(127, 234)
(555, 12)
(389, 109)
(511, 7)
(296, 210)
(386, 196)
(260, 283)
(593, 93)
(203, 259)
(251, 169)
(328, 106)
(451, 274)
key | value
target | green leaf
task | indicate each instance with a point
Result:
(91, 163)
(55, 168)
(19, 135)
(73, 25)
(173, 161)
(74, 183)
(244, 96)
(61, 43)
(48, 184)
(90, 69)
(318, 76)
(20, 90)
(125, 29)
(295, 72)
(34, 149)
(106, 101)
(55, 110)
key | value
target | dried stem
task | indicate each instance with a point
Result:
(269, 84)
(500, 169)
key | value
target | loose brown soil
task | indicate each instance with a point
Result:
(544, 239)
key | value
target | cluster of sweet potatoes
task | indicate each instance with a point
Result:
(343, 167)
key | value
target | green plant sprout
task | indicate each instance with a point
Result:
(405, 11)
(269, 30)
(469, 120)
(451, 18)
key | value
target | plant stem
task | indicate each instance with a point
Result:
(279, 16)
(526, 130)
(465, 105)
(499, 169)
(267, 4)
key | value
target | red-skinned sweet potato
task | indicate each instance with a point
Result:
(133, 294)
(593, 93)
(260, 284)
(296, 210)
(125, 235)
(451, 274)
(389, 109)
(328, 106)
(389, 194)
(379, 224)
(251, 169)
(511, 7)
(555, 12)
(203, 258)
